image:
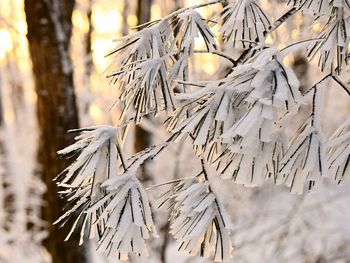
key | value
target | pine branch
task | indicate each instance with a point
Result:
(281, 20)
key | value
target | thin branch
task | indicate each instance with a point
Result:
(218, 53)
(205, 173)
(160, 147)
(336, 79)
(281, 20)
(272, 28)
(192, 7)
(319, 82)
(169, 182)
(242, 57)
(341, 84)
(190, 83)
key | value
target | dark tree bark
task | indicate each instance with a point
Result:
(143, 138)
(88, 43)
(301, 68)
(49, 31)
(143, 11)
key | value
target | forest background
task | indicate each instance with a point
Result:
(52, 63)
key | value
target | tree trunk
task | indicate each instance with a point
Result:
(125, 14)
(143, 138)
(89, 65)
(143, 11)
(49, 31)
(88, 43)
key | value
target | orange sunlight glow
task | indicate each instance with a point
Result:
(97, 115)
(80, 21)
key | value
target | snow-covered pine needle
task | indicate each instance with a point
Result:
(190, 26)
(107, 199)
(199, 222)
(234, 122)
(99, 158)
(272, 91)
(244, 20)
(321, 8)
(305, 159)
(334, 49)
(272, 97)
(339, 153)
(127, 213)
(251, 166)
(142, 77)
(127, 218)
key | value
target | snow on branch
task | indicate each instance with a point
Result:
(107, 200)
(321, 8)
(305, 159)
(333, 47)
(146, 88)
(239, 117)
(143, 60)
(272, 92)
(252, 167)
(127, 218)
(127, 214)
(137, 160)
(339, 153)
(100, 157)
(199, 221)
(142, 77)
(200, 115)
(191, 25)
(244, 23)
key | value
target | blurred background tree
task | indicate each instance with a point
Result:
(49, 33)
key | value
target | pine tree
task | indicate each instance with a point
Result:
(239, 124)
